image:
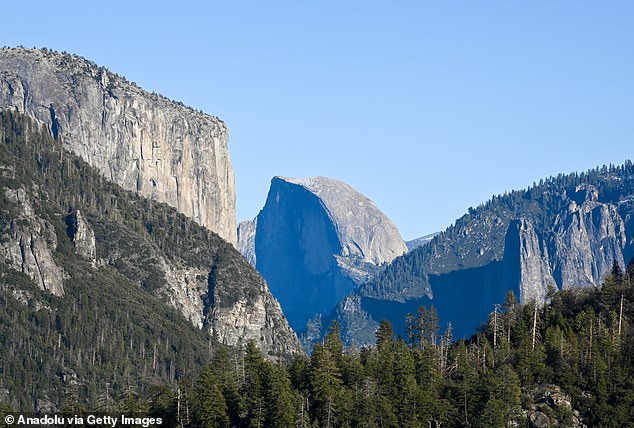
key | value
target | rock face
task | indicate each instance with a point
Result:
(565, 232)
(315, 240)
(527, 261)
(589, 236)
(552, 407)
(143, 142)
(82, 236)
(260, 319)
(246, 239)
(586, 238)
(130, 240)
(222, 294)
(29, 243)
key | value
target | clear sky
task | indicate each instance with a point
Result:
(426, 107)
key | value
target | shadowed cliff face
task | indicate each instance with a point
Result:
(295, 243)
(246, 239)
(315, 240)
(564, 234)
(143, 142)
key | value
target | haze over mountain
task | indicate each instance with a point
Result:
(418, 242)
(314, 241)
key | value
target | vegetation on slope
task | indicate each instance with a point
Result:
(478, 237)
(138, 228)
(568, 363)
(110, 334)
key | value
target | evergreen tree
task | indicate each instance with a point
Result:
(163, 403)
(384, 336)
(279, 398)
(427, 323)
(227, 379)
(325, 386)
(252, 390)
(210, 409)
(407, 398)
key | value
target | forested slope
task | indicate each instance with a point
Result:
(569, 363)
(131, 303)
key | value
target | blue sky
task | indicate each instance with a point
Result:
(427, 108)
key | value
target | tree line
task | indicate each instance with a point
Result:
(581, 342)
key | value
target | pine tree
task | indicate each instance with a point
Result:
(406, 400)
(302, 417)
(368, 404)
(252, 389)
(210, 409)
(163, 405)
(630, 270)
(504, 398)
(427, 323)
(384, 336)
(279, 398)
(325, 385)
(227, 379)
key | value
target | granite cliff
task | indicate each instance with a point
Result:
(246, 239)
(28, 242)
(57, 212)
(586, 237)
(144, 142)
(315, 240)
(565, 232)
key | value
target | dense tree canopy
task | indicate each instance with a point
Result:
(581, 351)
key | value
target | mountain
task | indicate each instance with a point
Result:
(246, 239)
(100, 285)
(144, 142)
(565, 232)
(314, 241)
(419, 242)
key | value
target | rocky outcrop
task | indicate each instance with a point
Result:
(527, 261)
(552, 407)
(127, 241)
(225, 296)
(260, 319)
(565, 232)
(185, 289)
(143, 142)
(82, 236)
(316, 239)
(586, 238)
(29, 243)
(220, 292)
(246, 239)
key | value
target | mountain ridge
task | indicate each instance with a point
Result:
(565, 231)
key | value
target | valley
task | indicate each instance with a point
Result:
(126, 286)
